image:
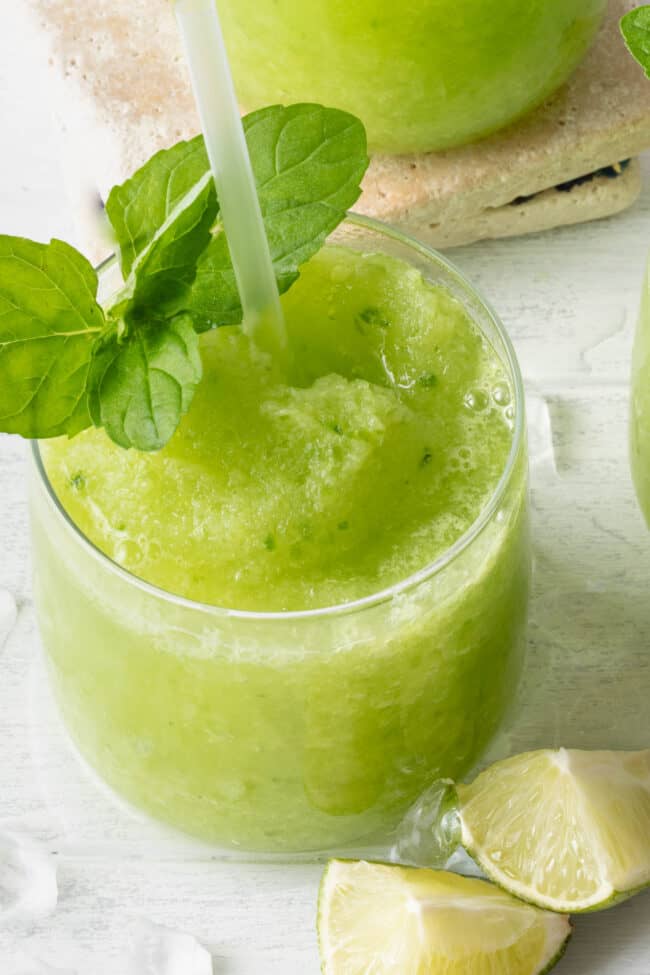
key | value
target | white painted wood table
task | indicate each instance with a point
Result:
(569, 299)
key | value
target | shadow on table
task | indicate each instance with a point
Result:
(586, 681)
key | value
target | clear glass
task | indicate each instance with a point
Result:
(300, 730)
(421, 74)
(640, 403)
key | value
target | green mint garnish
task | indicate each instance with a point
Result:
(78, 481)
(635, 28)
(269, 543)
(170, 190)
(308, 162)
(373, 316)
(428, 380)
(133, 367)
(49, 321)
(140, 387)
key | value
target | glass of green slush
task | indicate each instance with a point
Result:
(276, 631)
(421, 74)
(640, 403)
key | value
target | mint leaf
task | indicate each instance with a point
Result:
(635, 28)
(164, 272)
(148, 201)
(162, 219)
(308, 163)
(143, 383)
(49, 322)
(215, 296)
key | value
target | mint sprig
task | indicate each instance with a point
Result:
(635, 28)
(133, 366)
(308, 162)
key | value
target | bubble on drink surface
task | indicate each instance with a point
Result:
(128, 552)
(430, 831)
(154, 549)
(28, 887)
(157, 950)
(461, 459)
(476, 400)
(8, 615)
(501, 394)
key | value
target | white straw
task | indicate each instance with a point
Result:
(228, 154)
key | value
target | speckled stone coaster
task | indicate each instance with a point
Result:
(120, 91)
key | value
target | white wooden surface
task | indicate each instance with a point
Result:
(570, 301)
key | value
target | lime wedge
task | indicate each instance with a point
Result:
(565, 830)
(375, 919)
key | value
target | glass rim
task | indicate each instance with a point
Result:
(411, 581)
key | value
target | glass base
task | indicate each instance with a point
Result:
(91, 814)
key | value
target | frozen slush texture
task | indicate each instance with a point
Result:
(379, 454)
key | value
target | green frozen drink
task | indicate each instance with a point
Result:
(422, 74)
(640, 405)
(275, 631)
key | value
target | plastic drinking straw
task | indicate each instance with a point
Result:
(225, 143)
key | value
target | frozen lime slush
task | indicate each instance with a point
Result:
(381, 450)
(421, 74)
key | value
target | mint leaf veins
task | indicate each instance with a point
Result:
(49, 321)
(146, 203)
(162, 218)
(635, 28)
(141, 387)
(132, 367)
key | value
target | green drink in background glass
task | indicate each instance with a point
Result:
(275, 631)
(640, 404)
(634, 28)
(421, 74)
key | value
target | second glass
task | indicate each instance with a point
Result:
(640, 403)
(421, 74)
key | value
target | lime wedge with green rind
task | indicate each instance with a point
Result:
(566, 830)
(380, 919)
